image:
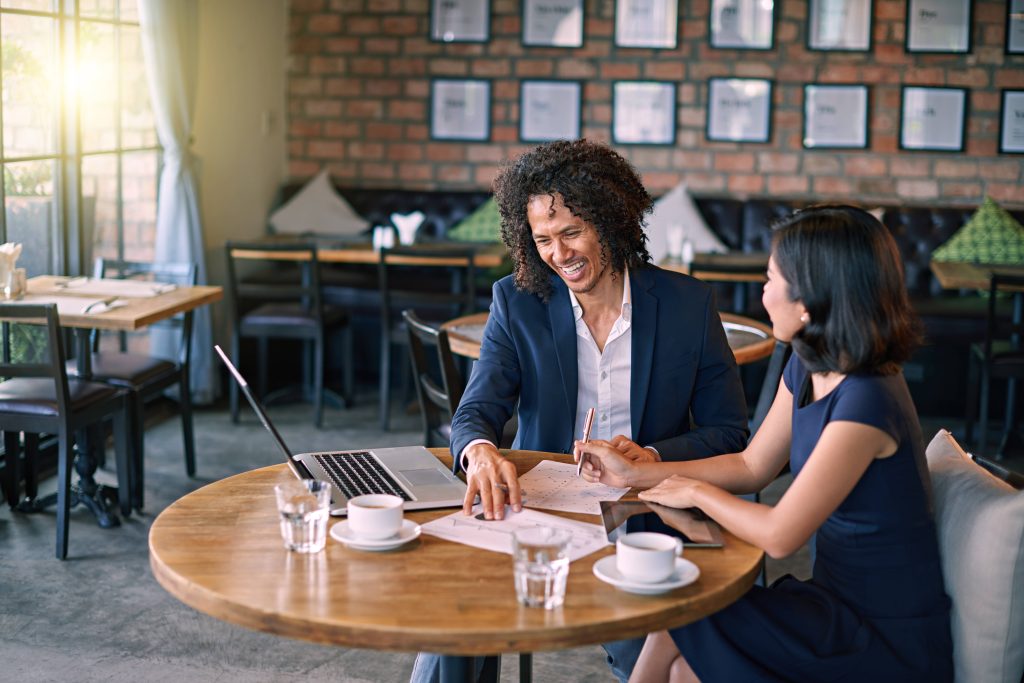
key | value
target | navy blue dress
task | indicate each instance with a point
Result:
(875, 608)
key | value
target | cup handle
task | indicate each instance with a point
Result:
(679, 547)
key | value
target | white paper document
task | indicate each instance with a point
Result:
(554, 486)
(132, 289)
(496, 535)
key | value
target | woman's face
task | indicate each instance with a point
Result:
(787, 316)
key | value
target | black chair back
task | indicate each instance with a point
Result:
(295, 276)
(999, 328)
(438, 402)
(23, 354)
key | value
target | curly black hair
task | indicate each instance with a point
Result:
(596, 184)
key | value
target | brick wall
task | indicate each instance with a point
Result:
(359, 100)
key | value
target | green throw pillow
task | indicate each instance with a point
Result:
(990, 236)
(483, 225)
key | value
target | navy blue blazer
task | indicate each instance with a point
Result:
(682, 366)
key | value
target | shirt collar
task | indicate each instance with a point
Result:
(627, 300)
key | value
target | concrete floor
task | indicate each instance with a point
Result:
(100, 615)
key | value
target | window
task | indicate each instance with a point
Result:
(79, 149)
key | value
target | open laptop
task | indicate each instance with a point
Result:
(409, 472)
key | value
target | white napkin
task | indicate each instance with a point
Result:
(9, 253)
(407, 225)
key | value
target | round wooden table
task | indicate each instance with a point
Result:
(749, 339)
(218, 549)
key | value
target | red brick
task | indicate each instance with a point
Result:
(650, 157)
(453, 174)
(705, 70)
(364, 109)
(296, 148)
(760, 70)
(746, 184)
(787, 185)
(990, 55)
(506, 47)
(305, 6)
(484, 175)
(787, 32)
(300, 168)
(668, 71)
(491, 68)
(687, 93)
(323, 108)
(694, 30)
(504, 133)
(993, 34)
(1008, 193)
(384, 130)
(865, 166)
(483, 153)
(421, 46)
(1010, 78)
(409, 110)
(1002, 170)
(981, 148)
(534, 68)
(890, 9)
(464, 49)
(600, 113)
(883, 143)
(972, 78)
(924, 76)
(379, 171)
(691, 160)
(344, 87)
(343, 170)
(962, 190)
(909, 168)
(417, 88)
(341, 46)
(891, 54)
(917, 189)
(347, 6)
(323, 149)
(738, 161)
(441, 151)
(659, 182)
(306, 45)
(324, 24)
(365, 150)
(384, 6)
(595, 92)
(383, 88)
(406, 66)
(304, 86)
(831, 188)
(508, 25)
(381, 46)
(840, 73)
(417, 131)
(820, 163)
(366, 66)
(327, 65)
(362, 26)
(613, 71)
(448, 67)
(404, 152)
(598, 27)
(989, 12)
(946, 168)
(401, 26)
(303, 128)
(694, 117)
(874, 75)
(342, 129)
(777, 162)
(705, 182)
(415, 171)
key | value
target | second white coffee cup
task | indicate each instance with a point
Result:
(375, 516)
(647, 557)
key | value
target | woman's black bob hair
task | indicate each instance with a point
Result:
(596, 184)
(843, 265)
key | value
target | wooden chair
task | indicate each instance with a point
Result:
(439, 280)
(1001, 355)
(437, 401)
(289, 305)
(148, 377)
(39, 398)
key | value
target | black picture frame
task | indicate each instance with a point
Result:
(1011, 121)
(928, 33)
(541, 16)
(741, 25)
(739, 110)
(1014, 43)
(648, 24)
(849, 27)
(933, 118)
(644, 113)
(829, 109)
(464, 113)
(560, 96)
(448, 25)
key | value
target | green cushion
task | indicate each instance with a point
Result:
(991, 236)
(483, 225)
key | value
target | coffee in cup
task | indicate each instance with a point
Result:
(647, 557)
(375, 516)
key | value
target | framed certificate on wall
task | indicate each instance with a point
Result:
(739, 110)
(839, 25)
(938, 26)
(553, 23)
(646, 23)
(933, 119)
(742, 24)
(550, 110)
(1015, 27)
(460, 109)
(644, 113)
(460, 21)
(835, 116)
(1011, 123)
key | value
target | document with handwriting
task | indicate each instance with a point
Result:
(554, 486)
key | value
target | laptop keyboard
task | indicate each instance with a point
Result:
(359, 473)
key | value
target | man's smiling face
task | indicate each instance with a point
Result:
(566, 243)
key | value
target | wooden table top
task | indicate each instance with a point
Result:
(138, 313)
(219, 550)
(731, 266)
(956, 275)
(749, 339)
(485, 256)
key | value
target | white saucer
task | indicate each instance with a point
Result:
(686, 572)
(343, 534)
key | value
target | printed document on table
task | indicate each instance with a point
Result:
(496, 535)
(554, 486)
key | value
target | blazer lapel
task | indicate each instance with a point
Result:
(644, 329)
(563, 329)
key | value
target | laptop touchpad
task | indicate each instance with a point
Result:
(428, 477)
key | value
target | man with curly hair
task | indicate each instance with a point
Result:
(586, 321)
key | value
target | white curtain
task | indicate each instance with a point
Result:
(170, 43)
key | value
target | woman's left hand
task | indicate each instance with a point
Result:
(676, 491)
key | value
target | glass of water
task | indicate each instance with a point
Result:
(541, 565)
(304, 506)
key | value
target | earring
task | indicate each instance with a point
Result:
(805, 318)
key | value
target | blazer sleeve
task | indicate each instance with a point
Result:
(490, 397)
(717, 406)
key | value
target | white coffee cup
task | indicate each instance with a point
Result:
(375, 516)
(647, 557)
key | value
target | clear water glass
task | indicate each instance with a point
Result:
(303, 507)
(540, 558)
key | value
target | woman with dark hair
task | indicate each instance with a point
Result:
(875, 608)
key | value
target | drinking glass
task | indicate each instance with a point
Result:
(540, 558)
(304, 506)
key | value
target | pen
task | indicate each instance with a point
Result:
(587, 424)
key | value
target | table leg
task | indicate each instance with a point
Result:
(464, 669)
(525, 667)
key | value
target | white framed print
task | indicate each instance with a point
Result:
(550, 110)
(460, 109)
(739, 110)
(941, 26)
(460, 21)
(835, 116)
(647, 23)
(839, 25)
(1011, 123)
(553, 23)
(644, 113)
(933, 119)
(1014, 27)
(742, 24)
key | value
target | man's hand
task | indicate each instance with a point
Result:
(605, 463)
(633, 451)
(492, 477)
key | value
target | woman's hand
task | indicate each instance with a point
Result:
(676, 491)
(604, 463)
